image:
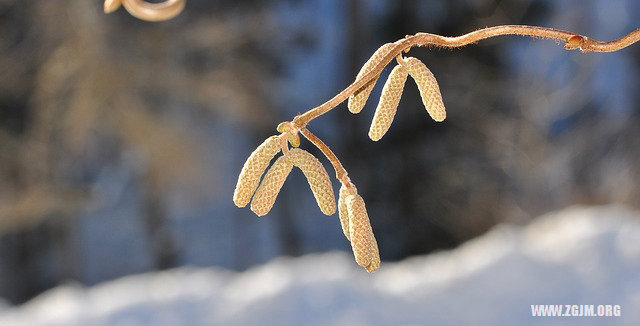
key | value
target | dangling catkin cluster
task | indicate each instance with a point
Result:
(358, 99)
(388, 105)
(351, 207)
(428, 86)
(253, 169)
(317, 177)
(363, 242)
(392, 91)
(265, 196)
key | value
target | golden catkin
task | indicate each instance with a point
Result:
(375, 254)
(388, 105)
(363, 243)
(270, 186)
(317, 178)
(342, 211)
(428, 86)
(253, 169)
(359, 98)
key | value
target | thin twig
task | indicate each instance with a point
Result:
(289, 129)
(341, 173)
(571, 41)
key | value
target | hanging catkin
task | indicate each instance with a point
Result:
(375, 254)
(253, 169)
(363, 243)
(359, 98)
(428, 86)
(270, 186)
(342, 211)
(317, 178)
(388, 105)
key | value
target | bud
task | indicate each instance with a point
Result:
(294, 140)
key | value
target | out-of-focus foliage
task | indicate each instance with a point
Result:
(121, 140)
(83, 93)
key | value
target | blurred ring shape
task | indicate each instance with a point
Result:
(147, 11)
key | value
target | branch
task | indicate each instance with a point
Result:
(341, 173)
(353, 216)
(571, 41)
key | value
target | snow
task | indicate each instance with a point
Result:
(576, 256)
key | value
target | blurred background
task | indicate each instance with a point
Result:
(121, 140)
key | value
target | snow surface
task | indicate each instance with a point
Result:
(576, 256)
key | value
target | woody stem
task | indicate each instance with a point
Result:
(341, 173)
(571, 41)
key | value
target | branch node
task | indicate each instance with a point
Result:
(575, 42)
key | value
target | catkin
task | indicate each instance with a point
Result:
(359, 98)
(428, 86)
(363, 243)
(317, 178)
(342, 211)
(270, 186)
(253, 169)
(388, 105)
(375, 254)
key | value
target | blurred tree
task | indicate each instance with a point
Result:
(110, 127)
(82, 94)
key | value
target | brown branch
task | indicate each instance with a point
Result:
(341, 173)
(571, 41)
(289, 129)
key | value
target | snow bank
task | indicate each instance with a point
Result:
(576, 256)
